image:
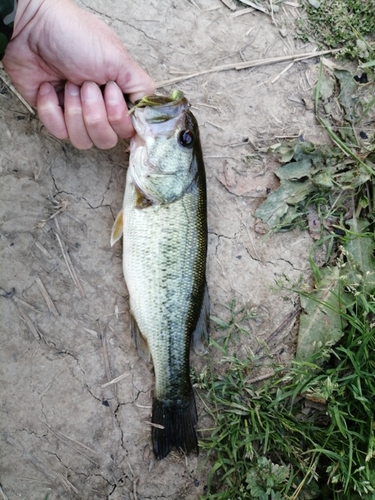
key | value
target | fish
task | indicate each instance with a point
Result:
(163, 223)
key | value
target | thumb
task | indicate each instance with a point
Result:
(133, 81)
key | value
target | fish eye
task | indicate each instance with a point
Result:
(186, 138)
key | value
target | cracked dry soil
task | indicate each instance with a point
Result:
(62, 434)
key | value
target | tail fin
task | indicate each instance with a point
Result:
(178, 420)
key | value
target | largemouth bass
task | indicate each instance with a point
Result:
(164, 225)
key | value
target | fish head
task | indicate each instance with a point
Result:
(163, 150)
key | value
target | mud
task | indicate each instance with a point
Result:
(62, 433)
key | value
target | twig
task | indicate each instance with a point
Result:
(228, 3)
(242, 12)
(44, 251)
(115, 380)
(51, 306)
(158, 426)
(254, 6)
(106, 357)
(287, 320)
(246, 64)
(70, 446)
(265, 376)
(135, 487)
(282, 72)
(273, 17)
(43, 468)
(29, 323)
(249, 236)
(68, 261)
(78, 442)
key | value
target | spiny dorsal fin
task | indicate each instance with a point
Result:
(117, 228)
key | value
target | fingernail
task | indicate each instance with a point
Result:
(90, 92)
(72, 89)
(45, 89)
(113, 93)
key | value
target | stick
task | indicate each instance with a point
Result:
(242, 12)
(68, 262)
(51, 306)
(246, 64)
(70, 446)
(254, 6)
(115, 380)
(29, 323)
(287, 320)
(282, 72)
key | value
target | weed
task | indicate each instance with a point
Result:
(234, 326)
(345, 24)
(308, 431)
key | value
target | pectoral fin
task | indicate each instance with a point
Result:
(139, 340)
(117, 228)
(200, 337)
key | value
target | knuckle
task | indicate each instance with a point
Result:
(93, 121)
(116, 118)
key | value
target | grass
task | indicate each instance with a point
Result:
(306, 432)
(345, 24)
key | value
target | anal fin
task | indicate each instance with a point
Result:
(200, 337)
(139, 340)
(117, 228)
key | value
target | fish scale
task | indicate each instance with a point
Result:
(162, 301)
(164, 224)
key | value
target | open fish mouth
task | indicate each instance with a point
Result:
(161, 108)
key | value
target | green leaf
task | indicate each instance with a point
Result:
(360, 268)
(327, 85)
(320, 322)
(295, 170)
(323, 180)
(286, 154)
(274, 208)
(280, 473)
(347, 90)
(360, 246)
(353, 178)
(220, 322)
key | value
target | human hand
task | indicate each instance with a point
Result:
(59, 57)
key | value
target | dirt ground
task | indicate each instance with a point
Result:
(62, 433)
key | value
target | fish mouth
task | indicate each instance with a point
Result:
(159, 108)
